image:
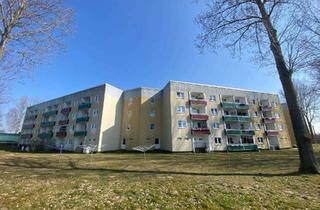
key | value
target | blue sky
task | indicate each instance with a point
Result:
(131, 43)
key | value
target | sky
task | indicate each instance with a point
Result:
(133, 43)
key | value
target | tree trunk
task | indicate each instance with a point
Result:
(308, 163)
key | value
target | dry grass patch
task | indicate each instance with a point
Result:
(265, 180)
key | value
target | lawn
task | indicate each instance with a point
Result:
(261, 180)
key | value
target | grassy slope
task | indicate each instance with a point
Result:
(166, 181)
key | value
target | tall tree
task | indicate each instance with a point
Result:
(30, 31)
(270, 29)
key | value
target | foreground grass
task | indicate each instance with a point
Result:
(265, 180)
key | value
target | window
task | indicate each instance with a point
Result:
(182, 124)
(228, 126)
(254, 114)
(212, 98)
(276, 114)
(230, 140)
(214, 111)
(152, 113)
(97, 99)
(181, 109)
(152, 126)
(180, 95)
(70, 141)
(274, 104)
(179, 138)
(156, 141)
(258, 126)
(217, 140)
(280, 126)
(260, 140)
(130, 101)
(124, 141)
(95, 112)
(152, 100)
(253, 101)
(93, 126)
(215, 125)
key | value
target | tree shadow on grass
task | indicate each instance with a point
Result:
(72, 166)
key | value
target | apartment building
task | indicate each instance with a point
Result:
(89, 117)
(181, 117)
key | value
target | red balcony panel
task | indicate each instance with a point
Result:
(199, 117)
(200, 131)
(61, 134)
(269, 120)
(66, 110)
(63, 122)
(198, 102)
(272, 133)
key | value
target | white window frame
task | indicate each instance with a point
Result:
(182, 124)
(217, 140)
(215, 125)
(152, 113)
(180, 95)
(258, 126)
(214, 111)
(212, 98)
(260, 140)
(152, 126)
(180, 109)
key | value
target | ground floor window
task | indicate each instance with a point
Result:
(156, 141)
(124, 141)
(217, 140)
(260, 140)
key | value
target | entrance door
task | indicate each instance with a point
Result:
(157, 143)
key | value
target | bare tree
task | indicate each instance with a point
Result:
(30, 31)
(270, 29)
(309, 101)
(15, 115)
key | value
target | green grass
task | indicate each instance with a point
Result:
(264, 180)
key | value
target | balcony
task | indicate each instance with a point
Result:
(242, 106)
(200, 131)
(266, 108)
(26, 136)
(31, 117)
(272, 132)
(269, 119)
(65, 111)
(198, 102)
(63, 122)
(49, 113)
(199, 117)
(228, 105)
(86, 105)
(232, 132)
(230, 118)
(48, 124)
(82, 119)
(61, 134)
(80, 133)
(30, 126)
(247, 132)
(242, 147)
(244, 119)
(45, 135)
